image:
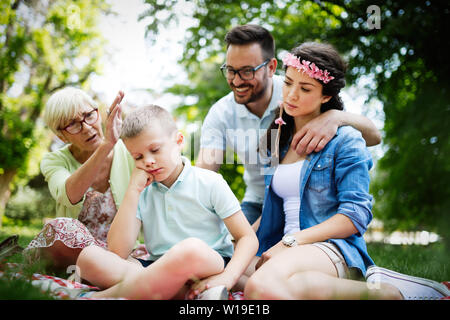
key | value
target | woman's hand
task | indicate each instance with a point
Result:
(114, 120)
(270, 253)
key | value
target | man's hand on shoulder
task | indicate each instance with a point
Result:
(315, 135)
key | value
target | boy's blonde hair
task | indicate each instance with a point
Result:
(144, 117)
(64, 105)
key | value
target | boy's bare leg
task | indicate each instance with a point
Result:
(104, 268)
(163, 279)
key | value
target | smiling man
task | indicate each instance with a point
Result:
(250, 108)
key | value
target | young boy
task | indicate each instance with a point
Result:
(185, 212)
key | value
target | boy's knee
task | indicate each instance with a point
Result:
(190, 249)
(194, 253)
(191, 242)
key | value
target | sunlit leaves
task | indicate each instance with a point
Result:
(44, 45)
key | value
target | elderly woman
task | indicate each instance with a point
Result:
(87, 177)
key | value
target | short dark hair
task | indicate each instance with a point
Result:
(252, 33)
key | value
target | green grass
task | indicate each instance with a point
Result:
(431, 261)
(11, 287)
(26, 230)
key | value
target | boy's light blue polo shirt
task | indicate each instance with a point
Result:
(194, 206)
(230, 125)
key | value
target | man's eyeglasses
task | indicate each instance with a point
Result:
(246, 73)
(76, 126)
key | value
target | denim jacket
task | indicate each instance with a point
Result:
(334, 180)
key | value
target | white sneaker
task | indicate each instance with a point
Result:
(214, 293)
(412, 288)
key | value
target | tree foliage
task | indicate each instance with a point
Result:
(44, 46)
(405, 60)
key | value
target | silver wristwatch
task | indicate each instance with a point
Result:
(289, 240)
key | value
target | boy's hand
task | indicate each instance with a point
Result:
(140, 179)
(210, 282)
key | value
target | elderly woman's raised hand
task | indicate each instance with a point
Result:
(114, 120)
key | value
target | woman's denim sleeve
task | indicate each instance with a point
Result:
(353, 162)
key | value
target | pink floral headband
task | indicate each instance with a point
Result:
(311, 70)
(307, 67)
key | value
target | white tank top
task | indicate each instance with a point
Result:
(286, 185)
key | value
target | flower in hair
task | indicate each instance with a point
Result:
(307, 67)
(279, 121)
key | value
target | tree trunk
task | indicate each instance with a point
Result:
(5, 191)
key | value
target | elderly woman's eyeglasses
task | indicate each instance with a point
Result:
(247, 73)
(89, 118)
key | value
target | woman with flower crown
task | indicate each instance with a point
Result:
(317, 207)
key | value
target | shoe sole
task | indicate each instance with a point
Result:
(441, 288)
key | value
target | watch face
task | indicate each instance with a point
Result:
(288, 240)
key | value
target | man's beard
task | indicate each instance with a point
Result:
(255, 96)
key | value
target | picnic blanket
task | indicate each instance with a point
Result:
(55, 287)
(61, 288)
